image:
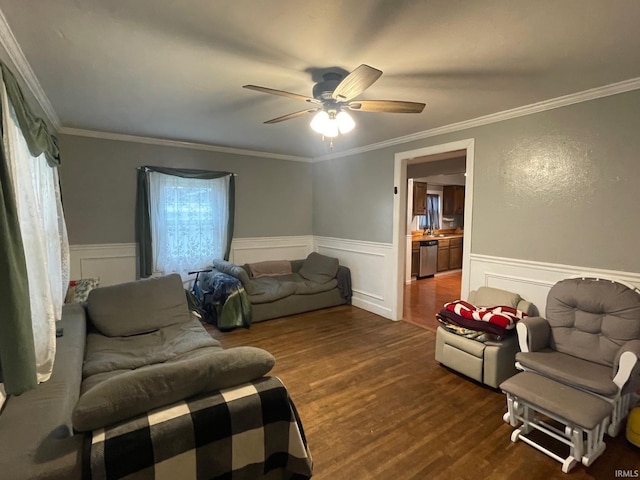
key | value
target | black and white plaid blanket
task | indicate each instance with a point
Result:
(235, 434)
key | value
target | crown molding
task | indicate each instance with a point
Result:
(571, 99)
(10, 44)
(178, 144)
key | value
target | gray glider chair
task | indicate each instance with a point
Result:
(489, 362)
(580, 368)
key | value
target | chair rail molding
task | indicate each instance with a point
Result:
(533, 280)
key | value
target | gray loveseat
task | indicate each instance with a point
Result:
(141, 390)
(310, 284)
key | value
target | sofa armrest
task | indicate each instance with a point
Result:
(533, 334)
(627, 366)
(235, 271)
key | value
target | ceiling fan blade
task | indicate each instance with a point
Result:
(282, 93)
(292, 115)
(356, 82)
(389, 106)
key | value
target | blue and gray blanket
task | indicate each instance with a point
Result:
(225, 301)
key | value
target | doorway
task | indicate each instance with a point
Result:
(401, 216)
(424, 299)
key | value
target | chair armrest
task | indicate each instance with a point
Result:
(533, 334)
(627, 366)
(527, 307)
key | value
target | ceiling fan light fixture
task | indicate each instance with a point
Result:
(319, 120)
(325, 124)
(345, 122)
(331, 128)
(329, 124)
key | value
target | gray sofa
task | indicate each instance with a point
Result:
(313, 283)
(140, 356)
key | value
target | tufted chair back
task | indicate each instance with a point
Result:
(592, 318)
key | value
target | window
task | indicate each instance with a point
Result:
(433, 212)
(32, 241)
(185, 219)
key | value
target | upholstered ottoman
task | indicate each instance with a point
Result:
(585, 417)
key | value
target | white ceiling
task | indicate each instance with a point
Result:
(174, 69)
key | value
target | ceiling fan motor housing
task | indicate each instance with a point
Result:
(323, 90)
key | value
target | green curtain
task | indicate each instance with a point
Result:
(143, 222)
(34, 128)
(17, 351)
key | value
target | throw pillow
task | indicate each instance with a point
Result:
(78, 290)
(319, 268)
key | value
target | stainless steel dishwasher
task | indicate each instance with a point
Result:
(428, 258)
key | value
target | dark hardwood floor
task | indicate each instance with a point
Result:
(376, 405)
(425, 297)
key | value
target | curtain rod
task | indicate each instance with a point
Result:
(145, 168)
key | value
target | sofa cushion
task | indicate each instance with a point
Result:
(319, 268)
(36, 435)
(307, 287)
(138, 307)
(116, 396)
(270, 289)
(105, 354)
(270, 268)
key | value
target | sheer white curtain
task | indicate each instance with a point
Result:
(188, 221)
(44, 237)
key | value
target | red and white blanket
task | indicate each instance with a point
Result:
(503, 316)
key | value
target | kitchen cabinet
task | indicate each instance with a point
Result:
(419, 198)
(455, 253)
(449, 254)
(443, 254)
(415, 259)
(453, 200)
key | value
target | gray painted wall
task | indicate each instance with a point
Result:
(559, 186)
(438, 167)
(98, 178)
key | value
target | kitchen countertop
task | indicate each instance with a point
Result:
(417, 238)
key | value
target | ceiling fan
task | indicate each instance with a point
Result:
(333, 96)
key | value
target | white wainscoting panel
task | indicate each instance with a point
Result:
(113, 263)
(370, 265)
(369, 262)
(533, 280)
(116, 262)
(250, 250)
